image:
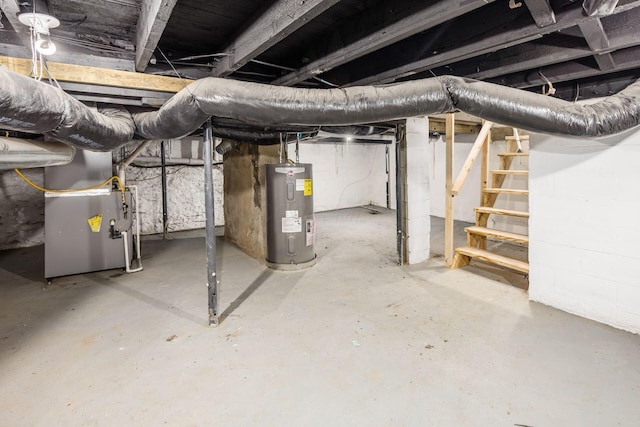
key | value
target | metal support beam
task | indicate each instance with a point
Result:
(165, 213)
(154, 15)
(491, 43)
(392, 30)
(281, 19)
(210, 227)
(541, 11)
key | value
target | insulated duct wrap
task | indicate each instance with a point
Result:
(32, 106)
(28, 105)
(29, 153)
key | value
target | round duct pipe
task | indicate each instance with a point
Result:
(30, 153)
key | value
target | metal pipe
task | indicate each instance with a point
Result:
(210, 226)
(387, 171)
(400, 134)
(165, 215)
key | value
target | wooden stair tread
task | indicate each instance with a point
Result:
(513, 138)
(509, 172)
(514, 154)
(505, 191)
(498, 234)
(499, 211)
(500, 260)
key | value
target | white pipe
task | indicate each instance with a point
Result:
(127, 264)
(124, 163)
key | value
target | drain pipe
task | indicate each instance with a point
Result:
(127, 261)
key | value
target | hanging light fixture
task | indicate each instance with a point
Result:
(40, 23)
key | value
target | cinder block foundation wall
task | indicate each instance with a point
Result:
(584, 231)
(244, 195)
(185, 188)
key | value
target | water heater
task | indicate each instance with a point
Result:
(290, 221)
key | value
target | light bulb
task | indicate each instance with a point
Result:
(44, 45)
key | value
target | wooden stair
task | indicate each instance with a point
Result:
(478, 234)
(464, 255)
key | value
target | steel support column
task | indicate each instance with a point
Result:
(212, 280)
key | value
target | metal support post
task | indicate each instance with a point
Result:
(165, 214)
(212, 279)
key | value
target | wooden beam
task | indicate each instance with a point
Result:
(541, 11)
(99, 76)
(281, 19)
(423, 18)
(488, 44)
(11, 10)
(597, 39)
(66, 57)
(449, 251)
(437, 124)
(599, 7)
(476, 149)
(627, 59)
(154, 16)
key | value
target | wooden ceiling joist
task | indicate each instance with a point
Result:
(99, 76)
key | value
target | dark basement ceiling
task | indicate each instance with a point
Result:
(329, 43)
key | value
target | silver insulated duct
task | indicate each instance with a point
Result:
(29, 153)
(30, 106)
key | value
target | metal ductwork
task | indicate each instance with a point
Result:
(29, 153)
(31, 106)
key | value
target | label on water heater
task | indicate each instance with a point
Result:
(292, 225)
(311, 232)
(308, 187)
(291, 214)
(299, 184)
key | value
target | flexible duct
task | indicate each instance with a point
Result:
(29, 153)
(31, 106)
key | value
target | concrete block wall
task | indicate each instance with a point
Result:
(21, 210)
(348, 174)
(584, 229)
(417, 203)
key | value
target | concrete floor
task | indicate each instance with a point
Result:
(354, 341)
